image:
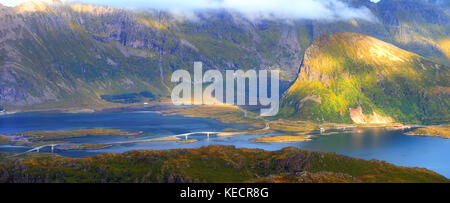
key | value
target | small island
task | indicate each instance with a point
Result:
(90, 146)
(283, 138)
(434, 131)
(4, 139)
(188, 141)
(46, 135)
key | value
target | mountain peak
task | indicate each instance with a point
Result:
(362, 48)
(36, 5)
(92, 9)
(348, 52)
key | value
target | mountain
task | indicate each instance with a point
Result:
(211, 164)
(68, 55)
(350, 77)
(59, 55)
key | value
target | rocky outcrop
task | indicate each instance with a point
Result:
(359, 117)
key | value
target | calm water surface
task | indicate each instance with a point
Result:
(368, 143)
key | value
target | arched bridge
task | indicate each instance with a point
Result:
(37, 149)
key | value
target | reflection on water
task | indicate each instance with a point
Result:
(367, 143)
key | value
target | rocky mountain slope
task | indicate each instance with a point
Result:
(349, 77)
(69, 55)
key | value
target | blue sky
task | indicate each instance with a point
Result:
(309, 9)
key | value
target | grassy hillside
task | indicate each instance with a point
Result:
(349, 70)
(210, 164)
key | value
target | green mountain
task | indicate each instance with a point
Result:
(349, 77)
(55, 55)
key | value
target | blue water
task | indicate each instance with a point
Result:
(366, 143)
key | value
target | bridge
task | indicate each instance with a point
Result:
(185, 135)
(37, 149)
(193, 133)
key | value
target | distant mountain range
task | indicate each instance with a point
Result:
(69, 55)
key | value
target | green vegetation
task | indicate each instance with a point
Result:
(282, 138)
(46, 135)
(128, 98)
(89, 146)
(4, 139)
(188, 141)
(74, 54)
(292, 126)
(349, 70)
(435, 131)
(308, 177)
(207, 164)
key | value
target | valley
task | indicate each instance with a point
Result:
(86, 94)
(69, 56)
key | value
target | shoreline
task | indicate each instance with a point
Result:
(288, 130)
(103, 108)
(441, 131)
(169, 106)
(168, 109)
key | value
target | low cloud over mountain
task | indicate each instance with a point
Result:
(253, 9)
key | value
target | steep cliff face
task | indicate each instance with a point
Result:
(56, 55)
(357, 78)
(63, 55)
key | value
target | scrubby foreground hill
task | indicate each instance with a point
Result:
(68, 55)
(349, 77)
(211, 164)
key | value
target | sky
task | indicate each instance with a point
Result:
(283, 9)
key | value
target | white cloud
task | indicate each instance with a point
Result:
(309, 9)
(16, 2)
(284, 9)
